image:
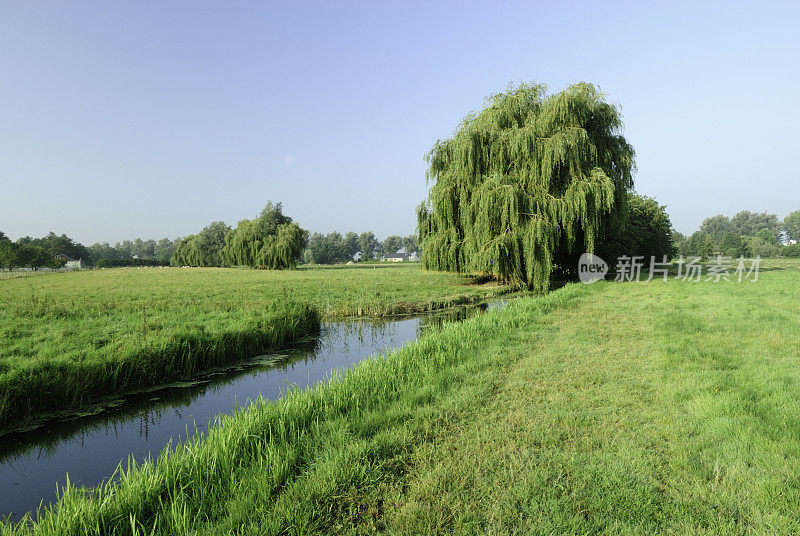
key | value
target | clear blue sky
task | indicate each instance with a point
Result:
(149, 119)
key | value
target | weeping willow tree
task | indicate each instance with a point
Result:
(202, 249)
(524, 184)
(271, 241)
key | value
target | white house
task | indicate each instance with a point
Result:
(396, 257)
(69, 262)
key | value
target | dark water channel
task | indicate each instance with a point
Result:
(90, 448)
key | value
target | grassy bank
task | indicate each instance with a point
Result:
(69, 339)
(263, 450)
(650, 408)
(77, 365)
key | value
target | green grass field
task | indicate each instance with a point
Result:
(615, 408)
(71, 338)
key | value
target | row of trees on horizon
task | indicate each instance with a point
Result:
(246, 245)
(646, 231)
(333, 248)
(747, 234)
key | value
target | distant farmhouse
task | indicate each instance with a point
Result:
(70, 263)
(396, 257)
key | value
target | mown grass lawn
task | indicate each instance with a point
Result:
(635, 408)
(646, 409)
(68, 339)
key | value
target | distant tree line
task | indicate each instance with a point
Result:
(271, 240)
(334, 248)
(128, 250)
(746, 234)
(35, 253)
(26, 253)
(117, 263)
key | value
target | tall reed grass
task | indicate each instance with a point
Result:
(34, 387)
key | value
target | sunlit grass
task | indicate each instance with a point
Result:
(261, 452)
(68, 339)
(615, 408)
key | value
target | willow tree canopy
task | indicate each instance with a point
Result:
(202, 249)
(271, 241)
(525, 182)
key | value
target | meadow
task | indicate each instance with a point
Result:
(72, 338)
(613, 408)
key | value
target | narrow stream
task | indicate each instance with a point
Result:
(90, 448)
